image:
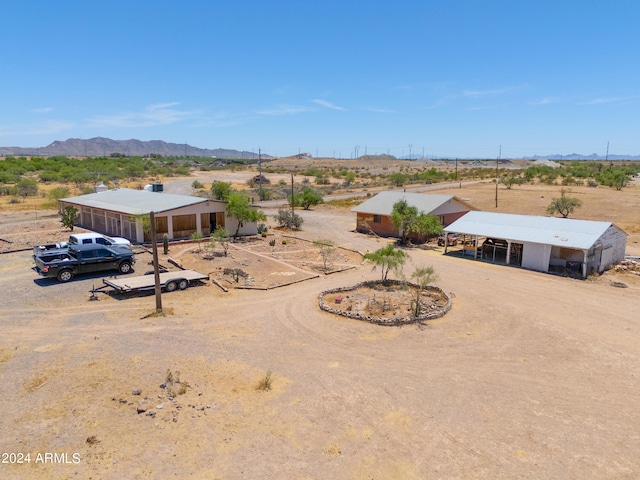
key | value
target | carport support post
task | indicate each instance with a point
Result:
(156, 266)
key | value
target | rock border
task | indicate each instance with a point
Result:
(391, 322)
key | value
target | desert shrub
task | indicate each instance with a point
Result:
(265, 383)
(288, 219)
(58, 193)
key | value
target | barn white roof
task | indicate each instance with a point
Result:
(134, 202)
(562, 232)
(382, 203)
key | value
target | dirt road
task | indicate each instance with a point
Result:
(529, 376)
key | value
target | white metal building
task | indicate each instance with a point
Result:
(546, 244)
(119, 212)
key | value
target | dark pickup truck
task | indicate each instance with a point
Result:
(85, 259)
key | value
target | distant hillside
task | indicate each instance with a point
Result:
(100, 147)
(577, 156)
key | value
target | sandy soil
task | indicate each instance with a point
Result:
(528, 376)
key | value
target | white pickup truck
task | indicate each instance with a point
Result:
(56, 251)
(97, 238)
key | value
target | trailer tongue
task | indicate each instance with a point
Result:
(170, 281)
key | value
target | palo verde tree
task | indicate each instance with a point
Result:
(197, 237)
(309, 197)
(326, 247)
(238, 207)
(69, 217)
(563, 205)
(221, 190)
(223, 237)
(407, 219)
(387, 258)
(510, 180)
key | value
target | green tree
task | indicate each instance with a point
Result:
(422, 276)
(387, 258)
(58, 192)
(563, 205)
(398, 178)
(349, 178)
(69, 217)
(222, 237)
(310, 197)
(238, 207)
(326, 248)
(509, 181)
(407, 219)
(221, 190)
(26, 187)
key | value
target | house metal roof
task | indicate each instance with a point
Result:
(562, 232)
(134, 202)
(382, 203)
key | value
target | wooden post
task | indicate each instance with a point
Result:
(292, 198)
(156, 263)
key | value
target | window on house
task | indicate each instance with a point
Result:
(377, 219)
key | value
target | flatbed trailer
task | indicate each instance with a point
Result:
(170, 281)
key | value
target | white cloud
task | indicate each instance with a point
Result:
(605, 100)
(326, 104)
(491, 92)
(153, 115)
(378, 110)
(283, 110)
(40, 128)
(546, 101)
(43, 110)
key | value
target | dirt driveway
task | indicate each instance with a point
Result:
(529, 376)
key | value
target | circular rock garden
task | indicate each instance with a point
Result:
(392, 302)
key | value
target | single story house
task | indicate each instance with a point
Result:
(546, 244)
(120, 211)
(374, 214)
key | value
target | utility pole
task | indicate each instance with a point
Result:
(460, 186)
(156, 265)
(607, 157)
(260, 174)
(497, 161)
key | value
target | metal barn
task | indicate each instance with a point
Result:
(546, 244)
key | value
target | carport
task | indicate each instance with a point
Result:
(546, 244)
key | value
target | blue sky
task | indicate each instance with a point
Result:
(450, 78)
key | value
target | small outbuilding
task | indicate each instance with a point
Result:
(546, 244)
(374, 214)
(120, 212)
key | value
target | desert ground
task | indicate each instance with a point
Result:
(529, 375)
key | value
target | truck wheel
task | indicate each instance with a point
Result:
(65, 275)
(171, 286)
(125, 267)
(182, 284)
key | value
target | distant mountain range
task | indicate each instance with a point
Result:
(104, 147)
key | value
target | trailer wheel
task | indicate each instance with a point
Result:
(182, 284)
(171, 286)
(65, 275)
